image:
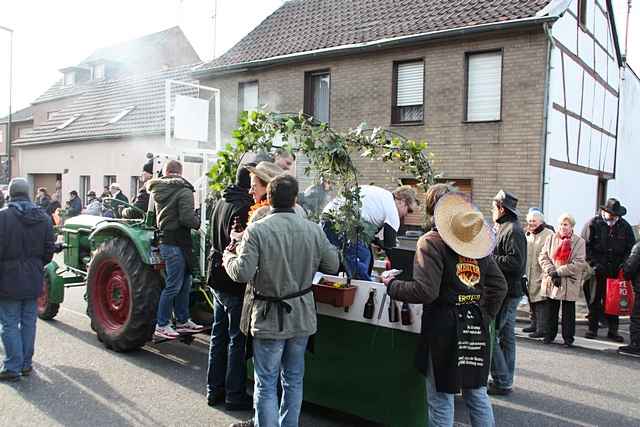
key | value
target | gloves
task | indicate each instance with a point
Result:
(555, 279)
(555, 275)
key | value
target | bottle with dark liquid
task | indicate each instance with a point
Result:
(405, 314)
(231, 247)
(370, 305)
(394, 315)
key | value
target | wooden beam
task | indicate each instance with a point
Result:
(582, 169)
(576, 116)
(586, 67)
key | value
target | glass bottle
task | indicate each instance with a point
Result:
(370, 305)
(405, 314)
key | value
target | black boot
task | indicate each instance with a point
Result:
(530, 328)
(615, 336)
(632, 349)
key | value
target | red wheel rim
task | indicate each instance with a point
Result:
(43, 299)
(112, 298)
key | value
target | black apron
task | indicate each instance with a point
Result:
(455, 331)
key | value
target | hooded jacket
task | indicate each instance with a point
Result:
(171, 198)
(235, 202)
(27, 246)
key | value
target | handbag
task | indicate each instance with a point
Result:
(619, 296)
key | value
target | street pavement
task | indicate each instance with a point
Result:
(77, 382)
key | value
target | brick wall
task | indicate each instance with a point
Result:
(506, 154)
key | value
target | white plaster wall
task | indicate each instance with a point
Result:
(573, 192)
(122, 158)
(625, 186)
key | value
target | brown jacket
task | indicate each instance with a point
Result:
(427, 277)
(535, 244)
(570, 273)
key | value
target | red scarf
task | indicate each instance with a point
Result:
(563, 252)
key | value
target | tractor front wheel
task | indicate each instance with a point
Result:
(123, 295)
(45, 309)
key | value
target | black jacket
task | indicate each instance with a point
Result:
(631, 268)
(608, 247)
(27, 246)
(235, 202)
(45, 204)
(511, 253)
(75, 207)
(141, 202)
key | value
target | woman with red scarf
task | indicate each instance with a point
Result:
(563, 262)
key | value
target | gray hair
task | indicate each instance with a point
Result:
(533, 214)
(567, 217)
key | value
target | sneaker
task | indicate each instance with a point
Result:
(494, 390)
(166, 332)
(615, 337)
(9, 376)
(529, 329)
(188, 327)
(631, 350)
(246, 423)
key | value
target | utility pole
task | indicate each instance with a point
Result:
(214, 18)
(8, 144)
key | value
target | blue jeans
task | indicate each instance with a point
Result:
(177, 287)
(357, 256)
(272, 358)
(227, 367)
(441, 405)
(18, 323)
(503, 361)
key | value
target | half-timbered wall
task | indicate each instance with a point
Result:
(625, 185)
(582, 110)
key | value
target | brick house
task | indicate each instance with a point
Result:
(477, 80)
(96, 124)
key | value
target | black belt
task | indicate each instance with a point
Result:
(282, 304)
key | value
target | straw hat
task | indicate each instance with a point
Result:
(266, 171)
(462, 226)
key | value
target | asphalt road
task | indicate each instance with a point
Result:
(79, 383)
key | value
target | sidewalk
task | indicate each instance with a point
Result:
(581, 313)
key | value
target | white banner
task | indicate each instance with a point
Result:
(191, 118)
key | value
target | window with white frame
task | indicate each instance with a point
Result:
(98, 71)
(85, 186)
(69, 78)
(247, 96)
(484, 86)
(408, 92)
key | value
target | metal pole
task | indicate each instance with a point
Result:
(626, 35)
(10, 90)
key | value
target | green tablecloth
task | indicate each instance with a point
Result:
(366, 371)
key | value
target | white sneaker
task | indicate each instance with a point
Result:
(188, 327)
(166, 332)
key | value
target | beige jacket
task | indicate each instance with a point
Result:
(535, 243)
(570, 273)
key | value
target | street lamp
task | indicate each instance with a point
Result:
(10, 31)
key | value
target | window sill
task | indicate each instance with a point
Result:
(407, 124)
(470, 122)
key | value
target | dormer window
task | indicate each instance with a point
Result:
(68, 122)
(69, 78)
(120, 115)
(98, 71)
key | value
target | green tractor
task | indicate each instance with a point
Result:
(119, 262)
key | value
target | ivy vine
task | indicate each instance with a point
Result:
(330, 154)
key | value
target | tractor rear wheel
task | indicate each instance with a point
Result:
(45, 309)
(123, 295)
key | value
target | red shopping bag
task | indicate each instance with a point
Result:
(619, 296)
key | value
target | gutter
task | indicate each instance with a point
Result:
(375, 45)
(89, 138)
(545, 130)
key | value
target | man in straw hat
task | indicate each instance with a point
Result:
(609, 240)
(511, 256)
(462, 289)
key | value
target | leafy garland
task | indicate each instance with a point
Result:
(330, 157)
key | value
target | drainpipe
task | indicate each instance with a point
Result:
(545, 133)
